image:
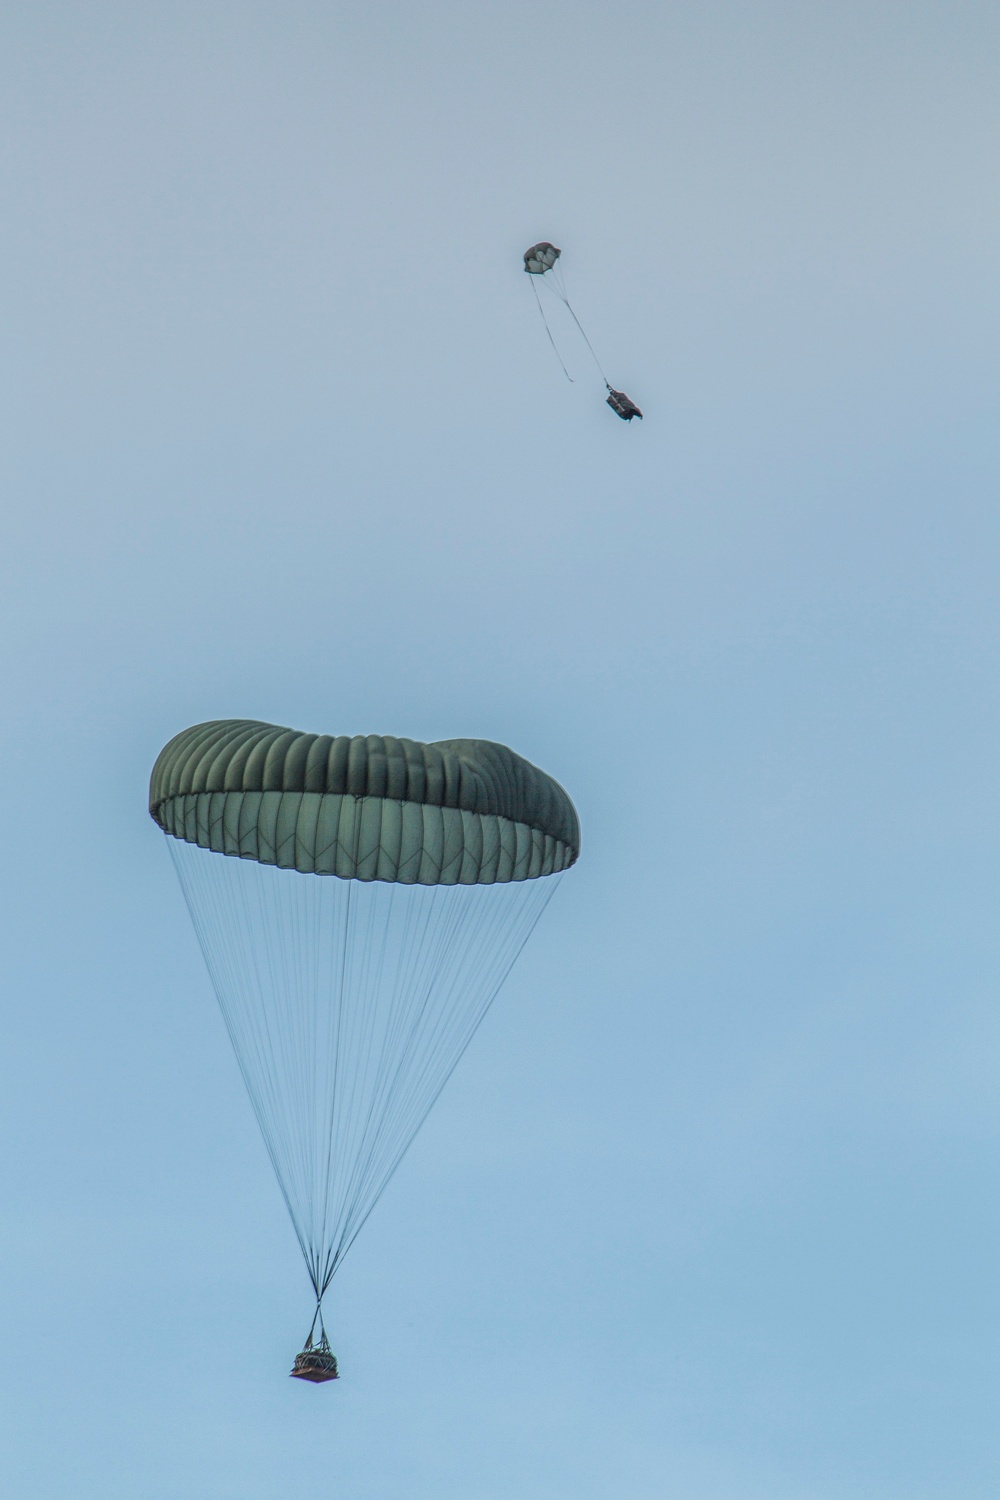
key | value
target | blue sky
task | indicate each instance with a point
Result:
(709, 1211)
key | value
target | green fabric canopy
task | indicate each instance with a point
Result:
(363, 807)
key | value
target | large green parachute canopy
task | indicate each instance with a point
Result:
(350, 1000)
(366, 807)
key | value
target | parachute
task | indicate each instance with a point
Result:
(541, 258)
(359, 901)
(538, 261)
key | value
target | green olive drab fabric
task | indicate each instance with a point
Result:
(364, 807)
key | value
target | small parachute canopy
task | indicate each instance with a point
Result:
(623, 405)
(540, 258)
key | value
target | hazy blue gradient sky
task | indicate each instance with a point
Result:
(710, 1210)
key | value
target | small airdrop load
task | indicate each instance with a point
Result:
(623, 405)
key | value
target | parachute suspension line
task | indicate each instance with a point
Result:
(348, 1004)
(317, 1318)
(548, 330)
(222, 909)
(321, 1279)
(589, 345)
(451, 1034)
(559, 287)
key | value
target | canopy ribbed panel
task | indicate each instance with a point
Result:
(348, 1004)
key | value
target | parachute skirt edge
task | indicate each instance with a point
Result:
(364, 838)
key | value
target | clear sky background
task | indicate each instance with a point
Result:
(710, 1209)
